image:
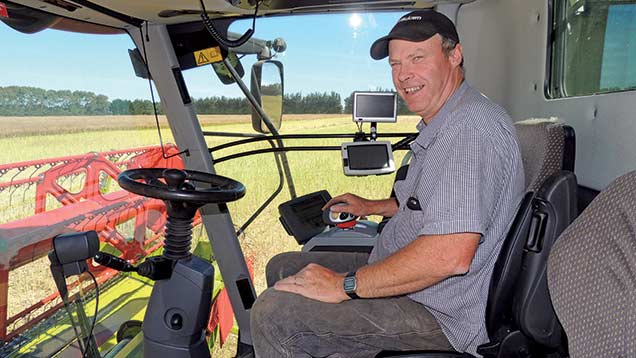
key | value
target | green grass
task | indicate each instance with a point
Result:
(265, 237)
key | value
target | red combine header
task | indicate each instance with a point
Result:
(75, 193)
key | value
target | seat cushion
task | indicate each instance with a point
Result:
(592, 275)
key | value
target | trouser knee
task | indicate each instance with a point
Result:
(267, 323)
(281, 266)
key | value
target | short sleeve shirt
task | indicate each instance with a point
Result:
(467, 176)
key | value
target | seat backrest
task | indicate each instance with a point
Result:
(547, 146)
(516, 314)
(541, 217)
(592, 275)
(553, 209)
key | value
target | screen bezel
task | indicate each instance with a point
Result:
(361, 172)
(374, 119)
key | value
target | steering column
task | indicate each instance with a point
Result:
(179, 306)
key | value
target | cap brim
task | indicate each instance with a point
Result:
(380, 48)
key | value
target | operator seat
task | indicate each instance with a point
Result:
(519, 317)
(518, 321)
(592, 275)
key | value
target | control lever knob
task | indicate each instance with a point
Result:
(340, 219)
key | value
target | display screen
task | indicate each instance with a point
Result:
(375, 106)
(367, 157)
(310, 209)
(302, 216)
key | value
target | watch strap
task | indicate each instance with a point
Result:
(350, 285)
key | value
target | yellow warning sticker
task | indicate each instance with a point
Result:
(208, 55)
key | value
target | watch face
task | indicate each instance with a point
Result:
(349, 284)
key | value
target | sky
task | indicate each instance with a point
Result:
(618, 69)
(324, 53)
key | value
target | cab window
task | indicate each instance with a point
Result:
(594, 48)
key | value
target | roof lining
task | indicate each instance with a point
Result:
(131, 20)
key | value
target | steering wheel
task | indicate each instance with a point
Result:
(177, 185)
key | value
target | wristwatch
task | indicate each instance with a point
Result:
(350, 285)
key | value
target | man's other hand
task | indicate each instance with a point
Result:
(316, 282)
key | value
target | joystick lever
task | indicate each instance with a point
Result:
(342, 220)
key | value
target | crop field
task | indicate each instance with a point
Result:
(29, 138)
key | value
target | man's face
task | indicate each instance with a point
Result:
(422, 74)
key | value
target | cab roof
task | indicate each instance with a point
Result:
(113, 16)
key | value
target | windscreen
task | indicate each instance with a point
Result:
(366, 157)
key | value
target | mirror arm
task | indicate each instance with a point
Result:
(250, 98)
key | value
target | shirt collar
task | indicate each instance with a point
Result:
(428, 132)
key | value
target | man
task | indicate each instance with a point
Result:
(425, 284)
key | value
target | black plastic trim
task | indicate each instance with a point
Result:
(244, 287)
(547, 88)
(584, 197)
(183, 89)
(569, 148)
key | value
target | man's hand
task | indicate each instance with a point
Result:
(362, 207)
(315, 282)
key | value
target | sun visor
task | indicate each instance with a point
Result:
(26, 19)
(29, 21)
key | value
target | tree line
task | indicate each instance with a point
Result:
(32, 101)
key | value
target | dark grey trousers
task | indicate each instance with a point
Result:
(289, 325)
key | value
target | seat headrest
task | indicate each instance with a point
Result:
(542, 142)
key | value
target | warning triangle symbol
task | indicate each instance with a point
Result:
(202, 58)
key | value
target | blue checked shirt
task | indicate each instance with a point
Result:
(467, 174)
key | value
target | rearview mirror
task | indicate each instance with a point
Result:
(267, 89)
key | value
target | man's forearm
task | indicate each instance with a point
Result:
(383, 207)
(423, 263)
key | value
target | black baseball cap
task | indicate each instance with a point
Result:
(415, 26)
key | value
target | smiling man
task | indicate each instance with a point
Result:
(425, 284)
